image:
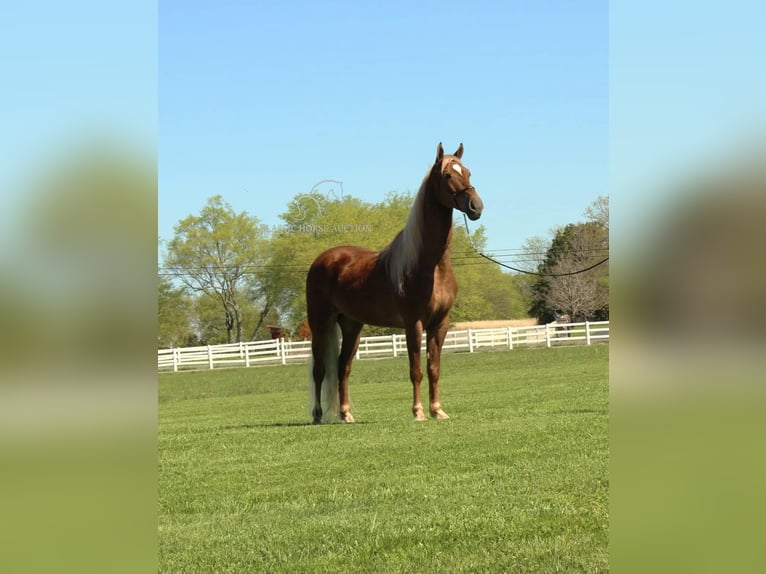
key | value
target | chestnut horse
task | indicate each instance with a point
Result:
(409, 284)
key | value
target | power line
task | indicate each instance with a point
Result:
(487, 257)
(513, 258)
(274, 268)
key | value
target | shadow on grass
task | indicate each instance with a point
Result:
(293, 424)
(581, 412)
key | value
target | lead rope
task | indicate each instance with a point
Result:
(488, 258)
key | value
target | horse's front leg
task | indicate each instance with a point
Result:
(351, 331)
(414, 337)
(434, 341)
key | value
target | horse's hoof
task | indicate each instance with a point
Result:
(316, 422)
(439, 414)
(347, 418)
(420, 416)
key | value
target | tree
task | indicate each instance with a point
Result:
(485, 292)
(218, 254)
(582, 296)
(598, 212)
(534, 251)
(174, 311)
(574, 247)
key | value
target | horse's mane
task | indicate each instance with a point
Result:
(400, 256)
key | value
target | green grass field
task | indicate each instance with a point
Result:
(515, 481)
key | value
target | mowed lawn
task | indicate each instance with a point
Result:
(515, 481)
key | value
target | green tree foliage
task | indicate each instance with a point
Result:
(210, 330)
(581, 296)
(244, 278)
(217, 253)
(485, 292)
(174, 316)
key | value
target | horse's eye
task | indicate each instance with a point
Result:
(447, 175)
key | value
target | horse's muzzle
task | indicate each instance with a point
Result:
(474, 208)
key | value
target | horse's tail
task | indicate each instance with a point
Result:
(330, 399)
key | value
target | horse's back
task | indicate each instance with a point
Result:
(352, 281)
(347, 263)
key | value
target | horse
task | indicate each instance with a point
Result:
(409, 284)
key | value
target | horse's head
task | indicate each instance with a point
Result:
(455, 189)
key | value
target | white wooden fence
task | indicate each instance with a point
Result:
(279, 351)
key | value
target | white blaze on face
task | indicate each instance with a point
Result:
(457, 168)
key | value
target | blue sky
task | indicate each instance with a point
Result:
(686, 97)
(258, 101)
(70, 72)
(556, 102)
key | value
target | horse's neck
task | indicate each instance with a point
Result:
(424, 243)
(437, 236)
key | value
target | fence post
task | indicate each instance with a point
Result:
(393, 343)
(587, 333)
(175, 360)
(281, 349)
(210, 356)
(470, 341)
(548, 335)
(510, 339)
(247, 355)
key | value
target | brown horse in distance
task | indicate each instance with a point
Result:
(409, 284)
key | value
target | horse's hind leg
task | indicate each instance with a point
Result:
(351, 331)
(319, 324)
(317, 373)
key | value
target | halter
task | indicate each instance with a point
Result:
(458, 193)
(461, 192)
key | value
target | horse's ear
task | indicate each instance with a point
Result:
(459, 153)
(439, 153)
